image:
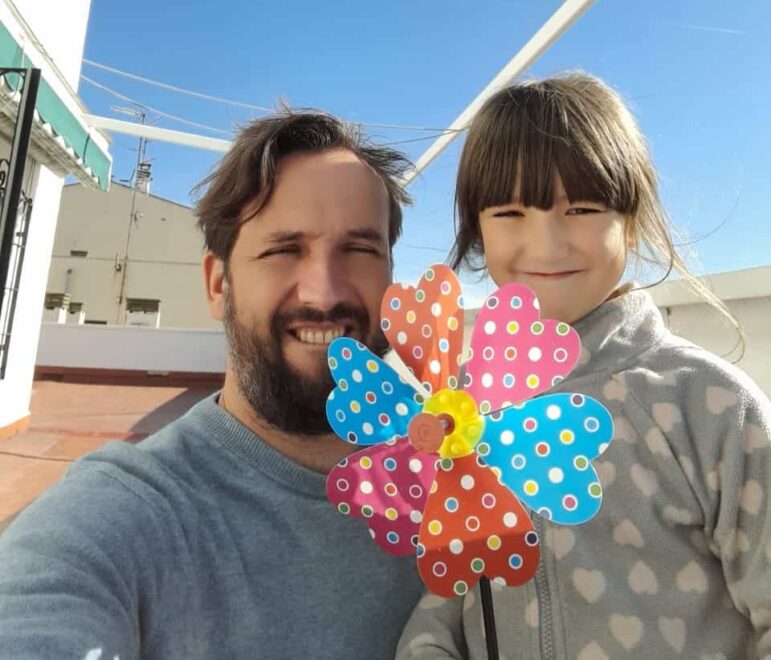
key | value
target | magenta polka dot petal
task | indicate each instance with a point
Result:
(516, 355)
(387, 485)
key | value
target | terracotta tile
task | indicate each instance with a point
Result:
(69, 420)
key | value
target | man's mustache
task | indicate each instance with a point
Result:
(342, 313)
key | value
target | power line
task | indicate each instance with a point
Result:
(181, 120)
(174, 88)
(420, 139)
(241, 104)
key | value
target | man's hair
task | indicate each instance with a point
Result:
(247, 173)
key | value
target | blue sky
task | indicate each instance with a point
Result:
(695, 72)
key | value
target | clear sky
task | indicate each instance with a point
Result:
(696, 73)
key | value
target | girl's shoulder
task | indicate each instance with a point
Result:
(694, 379)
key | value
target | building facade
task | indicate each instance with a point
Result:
(126, 258)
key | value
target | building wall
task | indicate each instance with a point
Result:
(61, 28)
(164, 250)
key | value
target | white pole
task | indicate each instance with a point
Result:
(155, 133)
(549, 32)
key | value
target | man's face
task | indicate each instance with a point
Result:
(311, 266)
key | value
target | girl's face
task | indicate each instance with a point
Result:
(572, 255)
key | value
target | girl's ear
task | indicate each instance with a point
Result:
(630, 234)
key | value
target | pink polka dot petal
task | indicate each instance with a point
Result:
(535, 350)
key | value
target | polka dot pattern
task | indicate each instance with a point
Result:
(387, 485)
(544, 450)
(515, 354)
(424, 324)
(371, 403)
(485, 531)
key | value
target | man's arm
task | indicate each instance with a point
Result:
(70, 568)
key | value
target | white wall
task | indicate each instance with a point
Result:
(61, 27)
(132, 348)
(16, 387)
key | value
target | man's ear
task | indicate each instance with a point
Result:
(216, 283)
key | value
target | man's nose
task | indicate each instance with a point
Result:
(322, 283)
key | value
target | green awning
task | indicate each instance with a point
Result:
(60, 139)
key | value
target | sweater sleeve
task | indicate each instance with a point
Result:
(70, 565)
(730, 427)
(435, 630)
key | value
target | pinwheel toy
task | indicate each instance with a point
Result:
(445, 471)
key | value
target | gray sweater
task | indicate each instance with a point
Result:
(678, 561)
(200, 542)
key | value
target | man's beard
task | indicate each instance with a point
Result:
(287, 400)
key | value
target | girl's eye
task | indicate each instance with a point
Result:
(508, 213)
(583, 210)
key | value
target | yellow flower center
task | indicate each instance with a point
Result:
(450, 425)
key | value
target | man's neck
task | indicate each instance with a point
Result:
(317, 453)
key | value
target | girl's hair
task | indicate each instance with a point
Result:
(577, 125)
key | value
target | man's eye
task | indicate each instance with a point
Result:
(365, 249)
(286, 249)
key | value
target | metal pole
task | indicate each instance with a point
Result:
(17, 160)
(130, 224)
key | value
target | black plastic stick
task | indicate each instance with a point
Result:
(491, 636)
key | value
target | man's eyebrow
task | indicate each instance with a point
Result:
(278, 237)
(366, 234)
(284, 236)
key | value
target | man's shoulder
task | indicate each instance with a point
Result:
(152, 466)
(130, 481)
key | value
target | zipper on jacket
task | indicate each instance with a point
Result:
(545, 638)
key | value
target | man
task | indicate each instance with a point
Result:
(214, 538)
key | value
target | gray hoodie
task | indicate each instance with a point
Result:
(678, 561)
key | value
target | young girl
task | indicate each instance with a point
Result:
(556, 190)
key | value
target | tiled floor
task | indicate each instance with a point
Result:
(71, 419)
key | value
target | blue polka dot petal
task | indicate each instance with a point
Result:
(368, 392)
(550, 469)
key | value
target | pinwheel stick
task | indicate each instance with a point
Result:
(491, 636)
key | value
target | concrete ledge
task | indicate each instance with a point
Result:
(130, 377)
(736, 285)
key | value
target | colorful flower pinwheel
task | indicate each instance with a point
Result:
(446, 472)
